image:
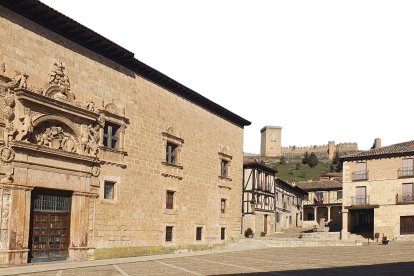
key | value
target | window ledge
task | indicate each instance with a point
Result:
(109, 201)
(113, 150)
(225, 178)
(172, 165)
(170, 212)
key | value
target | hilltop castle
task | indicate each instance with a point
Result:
(271, 146)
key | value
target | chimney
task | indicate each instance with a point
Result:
(377, 143)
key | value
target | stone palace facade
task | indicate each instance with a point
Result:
(102, 155)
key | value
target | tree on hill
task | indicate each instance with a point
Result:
(336, 165)
(282, 160)
(305, 159)
(313, 160)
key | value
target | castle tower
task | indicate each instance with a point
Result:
(271, 141)
(331, 150)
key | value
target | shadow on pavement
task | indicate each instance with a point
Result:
(395, 269)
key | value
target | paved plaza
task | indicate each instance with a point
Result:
(396, 258)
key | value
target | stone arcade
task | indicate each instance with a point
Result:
(101, 155)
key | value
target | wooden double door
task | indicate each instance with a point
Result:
(50, 226)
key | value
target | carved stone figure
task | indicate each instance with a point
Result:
(8, 114)
(26, 127)
(3, 68)
(55, 138)
(9, 176)
(90, 105)
(57, 75)
(19, 81)
(93, 139)
(58, 84)
(83, 146)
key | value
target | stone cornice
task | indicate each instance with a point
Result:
(60, 106)
(22, 146)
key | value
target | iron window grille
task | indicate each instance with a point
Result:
(199, 232)
(170, 200)
(169, 233)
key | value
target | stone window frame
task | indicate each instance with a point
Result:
(117, 120)
(166, 237)
(172, 201)
(223, 157)
(223, 206)
(178, 141)
(117, 184)
(108, 137)
(223, 233)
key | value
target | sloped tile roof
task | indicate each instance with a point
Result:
(401, 149)
(320, 185)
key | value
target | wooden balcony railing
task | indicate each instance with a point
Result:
(360, 200)
(405, 172)
(405, 198)
(359, 175)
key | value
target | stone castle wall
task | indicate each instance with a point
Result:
(322, 151)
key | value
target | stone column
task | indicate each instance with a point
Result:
(315, 213)
(79, 227)
(14, 223)
(344, 232)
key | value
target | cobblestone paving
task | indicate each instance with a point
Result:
(393, 259)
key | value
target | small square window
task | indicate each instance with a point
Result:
(223, 233)
(111, 136)
(199, 232)
(223, 206)
(171, 153)
(224, 168)
(169, 233)
(170, 200)
(109, 190)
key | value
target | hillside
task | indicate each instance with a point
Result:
(300, 172)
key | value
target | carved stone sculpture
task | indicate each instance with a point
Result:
(55, 138)
(8, 114)
(57, 75)
(19, 81)
(93, 139)
(25, 128)
(3, 68)
(90, 105)
(58, 84)
(7, 154)
(9, 175)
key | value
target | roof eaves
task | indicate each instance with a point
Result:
(53, 20)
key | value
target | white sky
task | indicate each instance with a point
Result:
(323, 70)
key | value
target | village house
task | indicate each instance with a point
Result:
(324, 201)
(258, 205)
(269, 204)
(289, 205)
(378, 198)
(101, 155)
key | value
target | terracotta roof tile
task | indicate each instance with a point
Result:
(319, 185)
(405, 148)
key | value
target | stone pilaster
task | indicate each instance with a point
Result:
(79, 230)
(14, 224)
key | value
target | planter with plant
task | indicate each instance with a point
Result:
(248, 233)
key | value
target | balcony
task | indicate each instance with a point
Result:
(405, 172)
(360, 200)
(405, 199)
(359, 175)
